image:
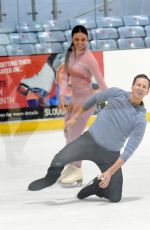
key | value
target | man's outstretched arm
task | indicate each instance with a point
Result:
(70, 122)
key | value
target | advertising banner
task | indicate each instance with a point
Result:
(29, 86)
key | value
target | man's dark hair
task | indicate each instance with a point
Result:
(141, 76)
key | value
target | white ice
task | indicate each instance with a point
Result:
(26, 157)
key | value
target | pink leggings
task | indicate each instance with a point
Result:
(79, 96)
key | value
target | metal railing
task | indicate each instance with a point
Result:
(104, 6)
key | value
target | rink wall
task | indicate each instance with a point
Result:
(120, 67)
(35, 125)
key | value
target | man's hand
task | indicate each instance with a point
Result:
(70, 108)
(105, 179)
(70, 122)
(106, 176)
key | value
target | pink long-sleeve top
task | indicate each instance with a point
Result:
(80, 70)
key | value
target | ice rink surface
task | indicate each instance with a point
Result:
(26, 157)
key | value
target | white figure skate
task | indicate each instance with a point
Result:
(71, 177)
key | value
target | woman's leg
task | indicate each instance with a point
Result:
(72, 174)
(78, 128)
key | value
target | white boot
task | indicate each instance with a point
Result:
(71, 177)
(67, 170)
(41, 83)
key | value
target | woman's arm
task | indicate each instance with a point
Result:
(62, 88)
(95, 69)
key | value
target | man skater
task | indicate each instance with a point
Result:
(121, 123)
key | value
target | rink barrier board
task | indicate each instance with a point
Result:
(34, 125)
(39, 125)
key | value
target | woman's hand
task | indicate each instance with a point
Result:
(62, 103)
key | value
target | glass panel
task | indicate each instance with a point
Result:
(37, 16)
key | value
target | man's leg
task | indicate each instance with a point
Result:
(80, 149)
(90, 189)
(114, 191)
(46, 181)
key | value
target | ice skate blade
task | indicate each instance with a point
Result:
(72, 185)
